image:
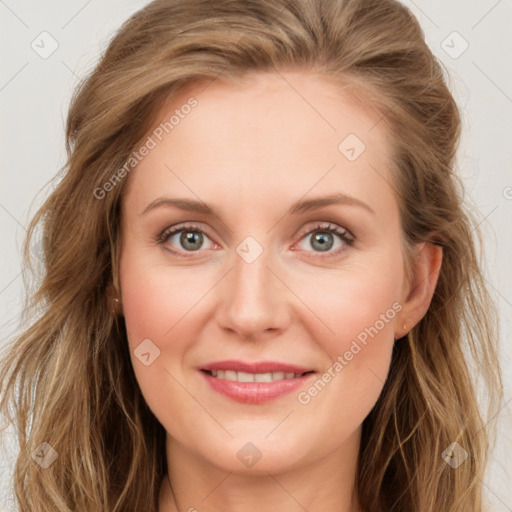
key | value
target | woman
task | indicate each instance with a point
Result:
(261, 289)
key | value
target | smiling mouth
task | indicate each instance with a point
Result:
(237, 376)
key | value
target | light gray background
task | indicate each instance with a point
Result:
(35, 93)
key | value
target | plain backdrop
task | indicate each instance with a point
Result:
(48, 46)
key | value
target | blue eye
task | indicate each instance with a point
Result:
(322, 238)
(191, 238)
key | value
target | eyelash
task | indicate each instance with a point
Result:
(344, 235)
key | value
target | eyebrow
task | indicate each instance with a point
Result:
(301, 206)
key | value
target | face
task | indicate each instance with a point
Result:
(252, 276)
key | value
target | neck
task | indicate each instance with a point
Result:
(325, 485)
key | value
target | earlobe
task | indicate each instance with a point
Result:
(114, 301)
(418, 291)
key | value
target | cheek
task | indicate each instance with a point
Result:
(156, 300)
(359, 312)
(358, 303)
(159, 304)
(155, 308)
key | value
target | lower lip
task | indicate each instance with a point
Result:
(254, 392)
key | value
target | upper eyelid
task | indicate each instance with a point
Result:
(190, 226)
(318, 226)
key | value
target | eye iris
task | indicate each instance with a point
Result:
(189, 238)
(324, 238)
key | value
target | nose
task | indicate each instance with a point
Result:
(254, 300)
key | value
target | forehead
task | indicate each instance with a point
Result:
(268, 134)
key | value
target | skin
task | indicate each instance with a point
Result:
(250, 150)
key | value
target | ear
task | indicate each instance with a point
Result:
(114, 301)
(418, 290)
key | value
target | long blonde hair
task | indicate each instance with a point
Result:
(68, 375)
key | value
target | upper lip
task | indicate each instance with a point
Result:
(256, 367)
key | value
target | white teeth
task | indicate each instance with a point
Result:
(244, 377)
(229, 375)
(253, 377)
(263, 377)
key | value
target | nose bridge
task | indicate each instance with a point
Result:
(253, 299)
